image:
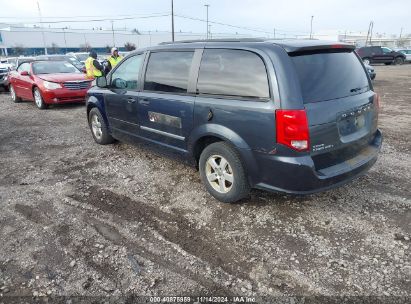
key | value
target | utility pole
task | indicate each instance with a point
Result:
(172, 20)
(42, 31)
(112, 30)
(311, 28)
(274, 33)
(369, 33)
(65, 41)
(399, 39)
(372, 26)
(85, 42)
(207, 6)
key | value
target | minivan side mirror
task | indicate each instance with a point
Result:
(119, 83)
(24, 73)
(101, 82)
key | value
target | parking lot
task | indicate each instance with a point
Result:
(77, 218)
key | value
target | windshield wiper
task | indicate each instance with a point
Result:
(358, 89)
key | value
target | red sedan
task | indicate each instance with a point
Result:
(48, 82)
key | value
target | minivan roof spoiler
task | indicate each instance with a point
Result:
(311, 45)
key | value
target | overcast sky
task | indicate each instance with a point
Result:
(288, 17)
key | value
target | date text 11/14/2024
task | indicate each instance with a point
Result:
(203, 299)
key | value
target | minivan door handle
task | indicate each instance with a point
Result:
(131, 100)
(144, 102)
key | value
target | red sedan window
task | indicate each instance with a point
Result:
(53, 67)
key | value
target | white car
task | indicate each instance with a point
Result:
(407, 54)
(80, 56)
(5, 68)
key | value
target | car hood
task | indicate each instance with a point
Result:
(63, 77)
(5, 66)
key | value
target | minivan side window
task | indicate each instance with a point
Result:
(233, 73)
(126, 75)
(168, 71)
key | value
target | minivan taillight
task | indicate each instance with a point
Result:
(292, 129)
(377, 101)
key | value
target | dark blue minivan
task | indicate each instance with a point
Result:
(295, 116)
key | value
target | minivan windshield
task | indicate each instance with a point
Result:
(326, 76)
(53, 67)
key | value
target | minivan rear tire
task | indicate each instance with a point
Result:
(233, 191)
(99, 128)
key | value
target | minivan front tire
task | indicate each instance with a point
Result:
(222, 172)
(99, 128)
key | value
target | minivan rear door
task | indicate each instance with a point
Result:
(341, 106)
(165, 106)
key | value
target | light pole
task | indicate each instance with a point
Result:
(112, 29)
(311, 28)
(42, 31)
(65, 41)
(172, 20)
(207, 6)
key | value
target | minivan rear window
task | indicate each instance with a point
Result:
(326, 76)
(233, 73)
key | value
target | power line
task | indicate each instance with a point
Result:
(239, 27)
(91, 16)
(98, 20)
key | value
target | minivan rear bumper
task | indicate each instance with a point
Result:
(297, 175)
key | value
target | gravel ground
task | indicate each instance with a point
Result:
(81, 219)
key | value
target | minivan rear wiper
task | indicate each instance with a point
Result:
(358, 89)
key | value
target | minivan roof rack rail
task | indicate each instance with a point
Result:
(216, 40)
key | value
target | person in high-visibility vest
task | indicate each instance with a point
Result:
(113, 60)
(93, 68)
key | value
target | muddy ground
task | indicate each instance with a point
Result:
(77, 218)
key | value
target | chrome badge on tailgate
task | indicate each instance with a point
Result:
(354, 120)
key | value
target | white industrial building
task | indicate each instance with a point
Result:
(31, 40)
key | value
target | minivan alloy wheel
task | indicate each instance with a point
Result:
(96, 126)
(219, 173)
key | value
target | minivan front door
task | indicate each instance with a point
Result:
(165, 107)
(121, 100)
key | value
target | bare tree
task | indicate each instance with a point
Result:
(129, 46)
(401, 42)
(86, 47)
(18, 49)
(55, 48)
(135, 31)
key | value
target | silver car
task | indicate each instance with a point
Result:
(407, 54)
